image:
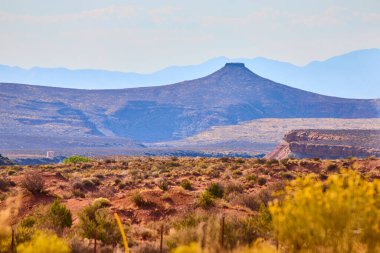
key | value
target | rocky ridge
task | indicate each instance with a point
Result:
(328, 144)
(5, 161)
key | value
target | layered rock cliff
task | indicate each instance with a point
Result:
(328, 144)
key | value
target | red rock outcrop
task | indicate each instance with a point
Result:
(328, 144)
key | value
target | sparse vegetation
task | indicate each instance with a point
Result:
(261, 201)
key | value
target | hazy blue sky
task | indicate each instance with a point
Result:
(147, 35)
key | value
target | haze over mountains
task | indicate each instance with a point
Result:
(352, 75)
(228, 96)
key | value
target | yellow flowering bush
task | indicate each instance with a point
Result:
(44, 243)
(341, 214)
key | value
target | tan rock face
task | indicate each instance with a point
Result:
(329, 144)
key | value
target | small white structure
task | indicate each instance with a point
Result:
(50, 154)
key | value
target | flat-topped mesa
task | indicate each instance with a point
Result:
(235, 64)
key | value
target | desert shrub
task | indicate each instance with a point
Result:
(240, 161)
(96, 181)
(271, 192)
(261, 181)
(188, 220)
(78, 193)
(216, 190)
(87, 183)
(260, 161)
(237, 173)
(138, 199)
(163, 184)
(96, 221)
(11, 172)
(117, 181)
(43, 243)
(287, 175)
(232, 188)
(332, 167)
(206, 200)
(101, 202)
(271, 162)
(4, 184)
(80, 246)
(337, 215)
(186, 184)
(252, 201)
(284, 161)
(206, 230)
(251, 178)
(33, 182)
(28, 222)
(59, 216)
(166, 197)
(77, 185)
(242, 231)
(76, 159)
(122, 186)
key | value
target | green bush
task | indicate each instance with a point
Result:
(163, 184)
(60, 216)
(261, 181)
(138, 199)
(76, 159)
(28, 222)
(186, 184)
(205, 200)
(251, 178)
(216, 190)
(95, 221)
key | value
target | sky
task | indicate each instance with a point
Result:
(148, 35)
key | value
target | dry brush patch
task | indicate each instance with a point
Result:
(147, 192)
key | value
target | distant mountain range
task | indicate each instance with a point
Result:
(228, 96)
(352, 75)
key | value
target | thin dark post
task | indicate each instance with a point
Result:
(277, 243)
(222, 233)
(95, 241)
(13, 241)
(161, 237)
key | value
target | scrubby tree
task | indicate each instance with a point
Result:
(96, 222)
(76, 159)
(59, 216)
